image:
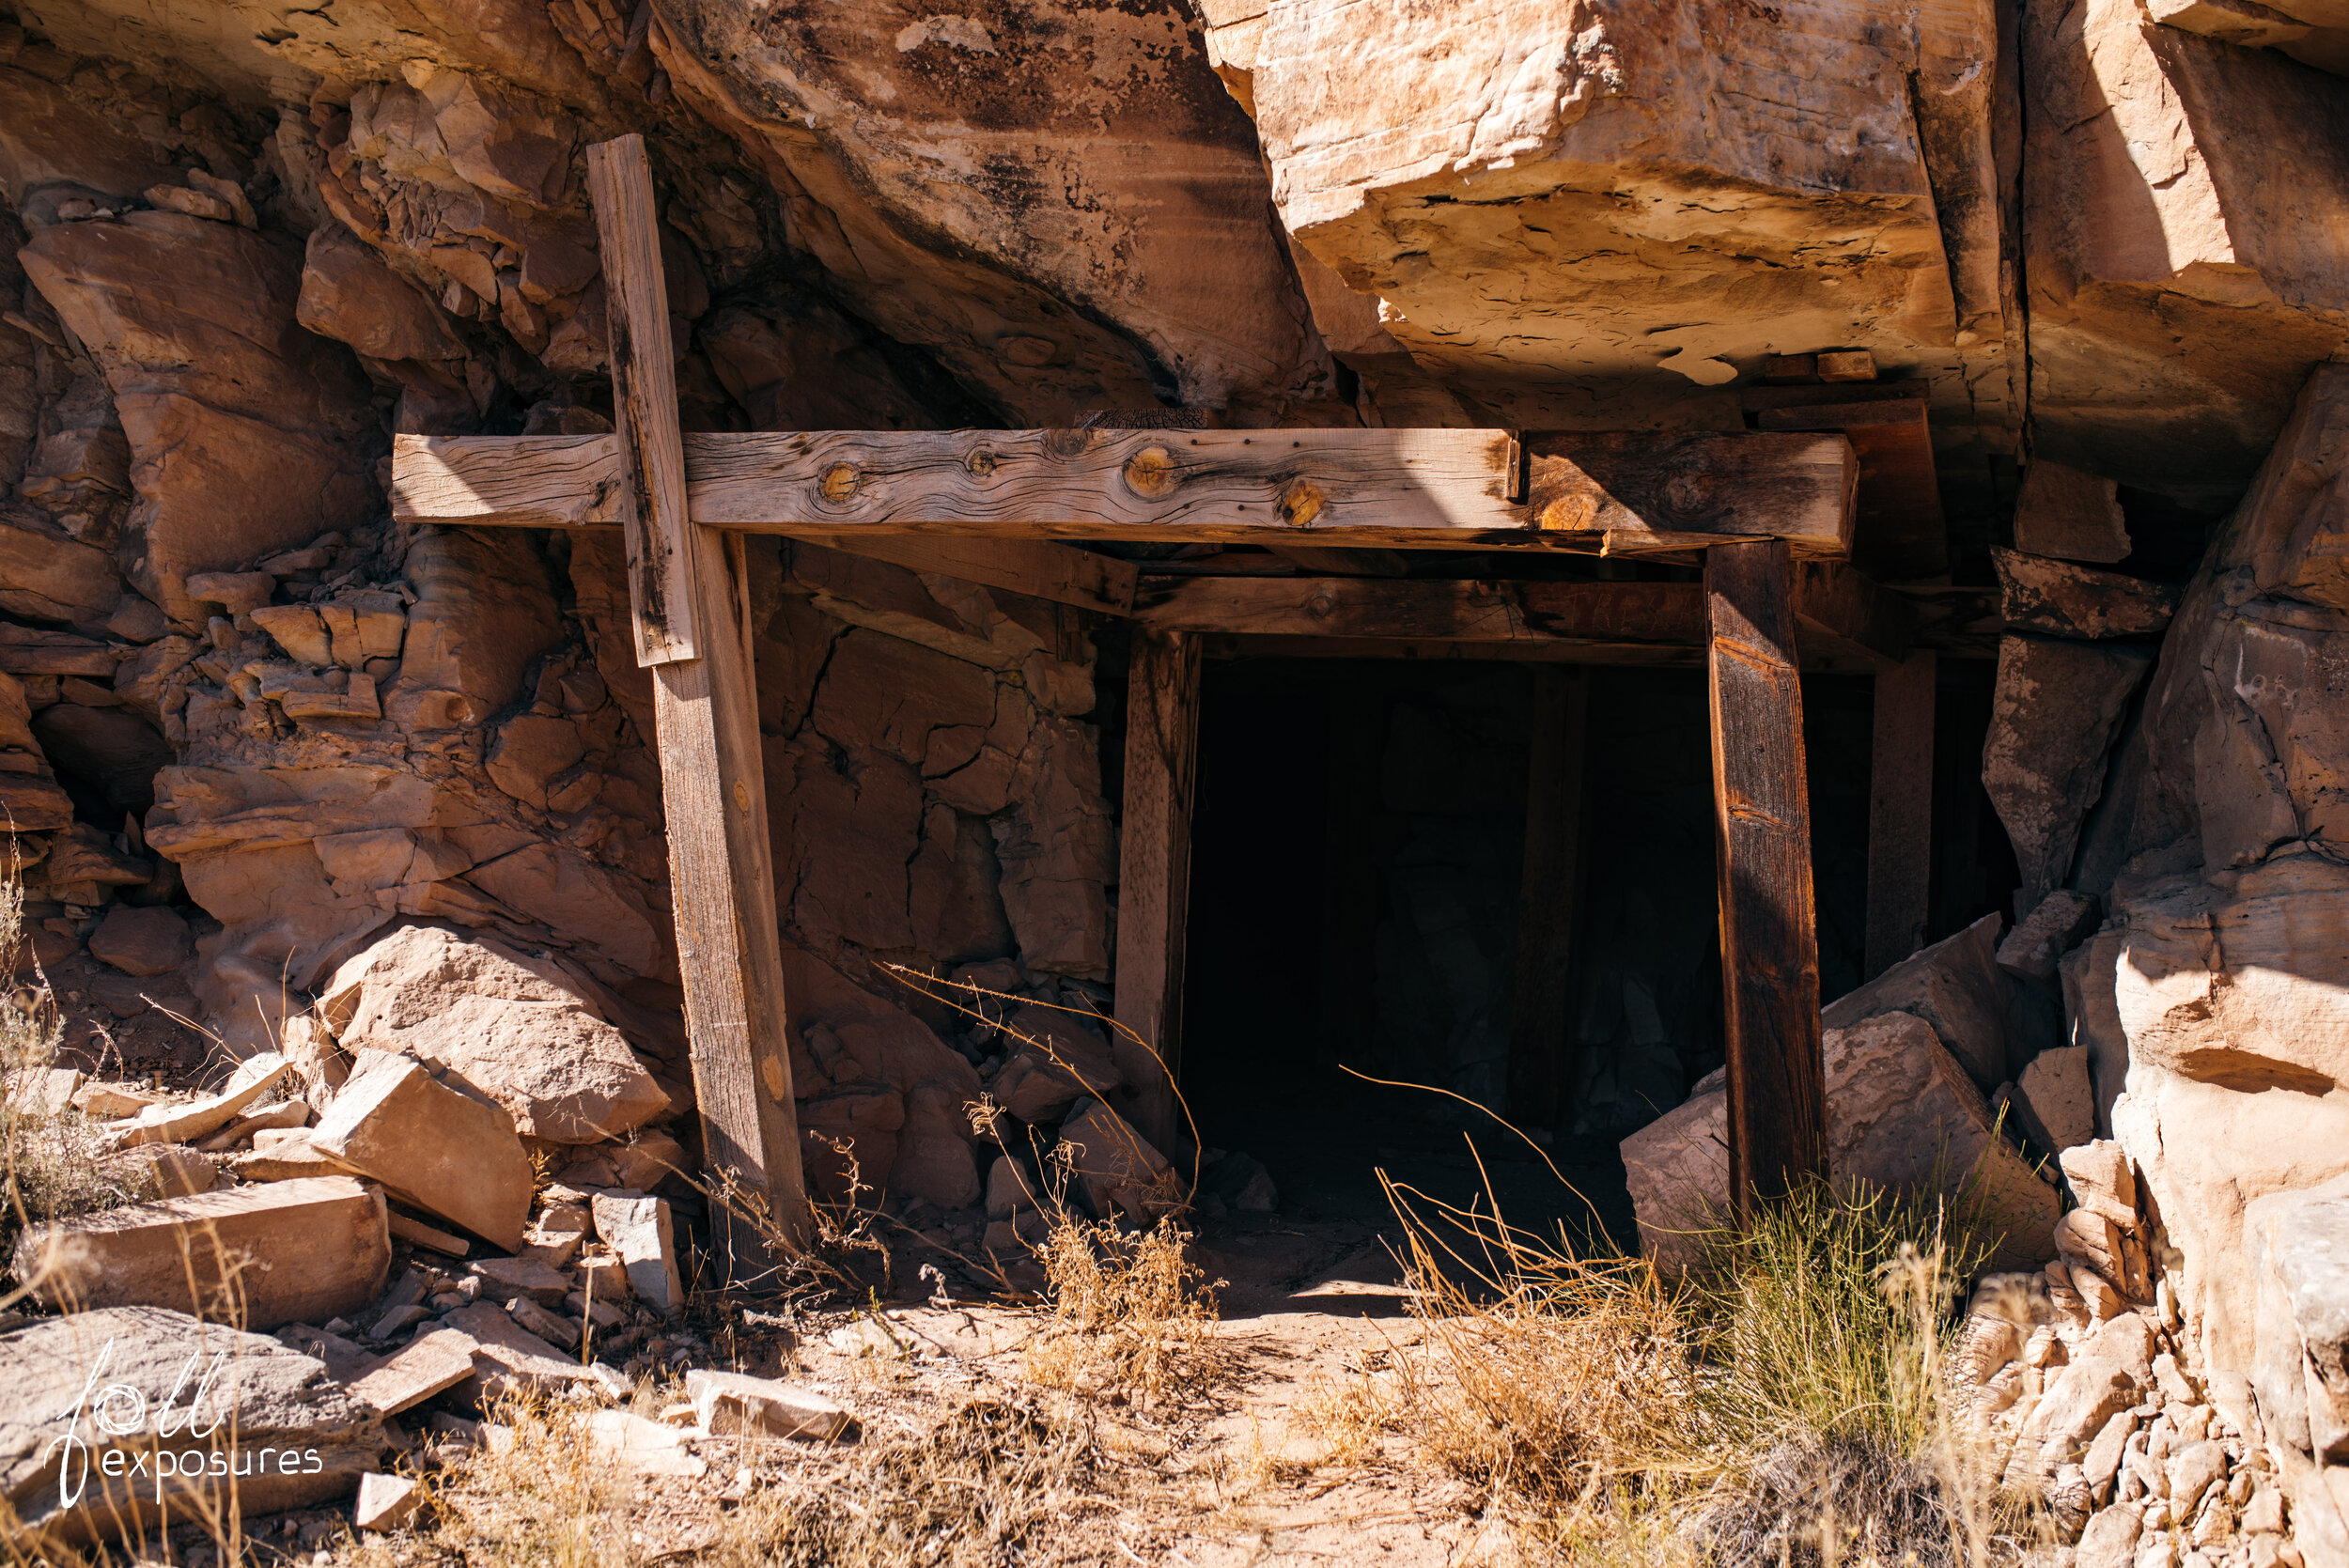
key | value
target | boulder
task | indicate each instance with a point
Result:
(2180, 290)
(2036, 946)
(485, 610)
(506, 1025)
(1509, 154)
(2300, 1255)
(245, 431)
(2065, 513)
(432, 1147)
(1954, 985)
(146, 939)
(169, 1123)
(729, 1405)
(181, 1387)
(1058, 1059)
(1901, 1114)
(640, 1231)
(2054, 1100)
(349, 294)
(386, 1501)
(1117, 1168)
(47, 575)
(253, 1256)
(2057, 708)
(934, 1161)
(1049, 289)
(2060, 600)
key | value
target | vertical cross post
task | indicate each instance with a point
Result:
(1154, 870)
(1548, 896)
(690, 632)
(1900, 814)
(1762, 839)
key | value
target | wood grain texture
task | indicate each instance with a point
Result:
(1319, 487)
(1762, 839)
(713, 794)
(642, 362)
(1898, 529)
(1645, 655)
(1428, 609)
(509, 481)
(1900, 814)
(1549, 894)
(1631, 492)
(1153, 871)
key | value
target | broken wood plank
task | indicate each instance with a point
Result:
(1643, 493)
(653, 513)
(1900, 814)
(1761, 838)
(1315, 489)
(1154, 874)
(713, 774)
(1550, 895)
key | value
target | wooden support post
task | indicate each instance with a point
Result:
(690, 632)
(1900, 814)
(1762, 836)
(1153, 871)
(1548, 899)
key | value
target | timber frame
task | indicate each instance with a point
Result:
(1769, 514)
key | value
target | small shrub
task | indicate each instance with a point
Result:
(1132, 1316)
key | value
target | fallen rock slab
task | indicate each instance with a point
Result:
(504, 1278)
(1116, 1166)
(143, 939)
(728, 1404)
(185, 1124)
(645, 1445)
(1901, 1114)
(1953, 985)
(431, 1147)
(506, 1358)
(298, 1437)
(427, 1365)
(511, 1028)
(255, 1256)
(2038, 594)
(165, 1171)
(642, 1233)
(2058, 706)
(385, 1501)
(2053, 1100)
(2034, 949)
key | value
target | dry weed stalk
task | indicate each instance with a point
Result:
(1132, 1317)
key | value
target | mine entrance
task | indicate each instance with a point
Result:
(1358, 900)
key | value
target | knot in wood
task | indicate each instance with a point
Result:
(1150, 472)
(1321, 606)
(1573, 512)
(742, 796)
(838, 484)
(1301, 501)
(1691, 493)
(980, 464)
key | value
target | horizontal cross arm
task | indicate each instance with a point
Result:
(1618, 493)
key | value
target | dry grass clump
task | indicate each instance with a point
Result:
(1132, 1317)
(544, 1495)
(53, 1164)
(973, 1490)
(1782, 1406)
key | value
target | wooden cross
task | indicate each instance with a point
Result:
(1769, 512)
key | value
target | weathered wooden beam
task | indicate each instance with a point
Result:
(1307, 488)
(1632, 492)
(1761, 838)
(1899, 531)
(1154, 872)
(1852, 612)
(1900, 814)
(705, 712)
(1038, 568)
(1549, 894)
(1427, 608)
